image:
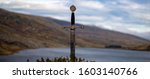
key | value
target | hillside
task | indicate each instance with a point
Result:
(108, 37)
(20, 31)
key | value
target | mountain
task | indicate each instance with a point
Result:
(106, 37)
(21, 31)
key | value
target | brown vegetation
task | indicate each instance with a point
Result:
(60, 59)
(19, 31)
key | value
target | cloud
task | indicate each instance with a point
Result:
(92, 5)
(136, 10)
(139, 30)
(90, 18)
(52, 5)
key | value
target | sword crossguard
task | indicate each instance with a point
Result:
(74, 27)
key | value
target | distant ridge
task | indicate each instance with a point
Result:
(21, 31)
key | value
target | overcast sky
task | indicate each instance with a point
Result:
(129, 16)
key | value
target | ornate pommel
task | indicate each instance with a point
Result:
(73, 8)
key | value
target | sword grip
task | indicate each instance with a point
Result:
(72, 19)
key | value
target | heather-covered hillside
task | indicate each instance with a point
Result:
(20, 31)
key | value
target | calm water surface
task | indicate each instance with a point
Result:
(91, 54)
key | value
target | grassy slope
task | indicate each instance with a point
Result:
(20, 31)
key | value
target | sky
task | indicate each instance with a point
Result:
(128, 16)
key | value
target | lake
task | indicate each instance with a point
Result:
(91, 54)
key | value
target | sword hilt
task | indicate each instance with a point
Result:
(73, 27)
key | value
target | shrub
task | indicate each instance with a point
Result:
(60, 59)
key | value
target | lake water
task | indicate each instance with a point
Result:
(91, 54)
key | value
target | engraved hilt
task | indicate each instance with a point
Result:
(73, 27)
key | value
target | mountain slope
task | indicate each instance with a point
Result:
(107, 37)
(20, 31)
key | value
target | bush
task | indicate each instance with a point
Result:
(60, 59)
